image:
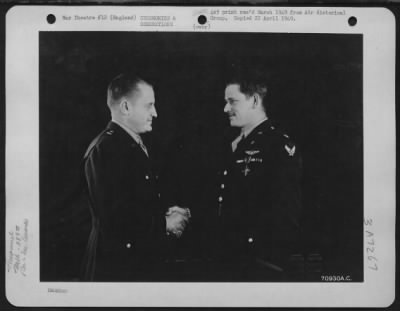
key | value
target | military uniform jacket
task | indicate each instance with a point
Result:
(258, 197)
(128, 223)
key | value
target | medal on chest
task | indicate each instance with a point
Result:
(248, 159)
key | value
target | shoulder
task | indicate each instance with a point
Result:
(279, 141)
(102, 144)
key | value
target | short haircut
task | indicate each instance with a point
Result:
(123, 85)
(250, 84)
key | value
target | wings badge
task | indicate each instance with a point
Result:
(252, 152)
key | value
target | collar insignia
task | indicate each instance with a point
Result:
(290, 151)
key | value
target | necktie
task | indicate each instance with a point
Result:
(143, 147)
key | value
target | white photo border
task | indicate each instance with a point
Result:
(23, 23)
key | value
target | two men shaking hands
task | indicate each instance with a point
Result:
(177, 219)
(258, 191)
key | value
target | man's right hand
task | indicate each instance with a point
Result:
(176, 223)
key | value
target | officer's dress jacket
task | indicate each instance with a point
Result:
(258, 197)
(128, 223)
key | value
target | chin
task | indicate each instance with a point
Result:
(145, 130)
(234, 124)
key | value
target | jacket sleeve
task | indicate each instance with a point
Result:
(276, 225)
(97, 168)
(286, 200)
(288, 192)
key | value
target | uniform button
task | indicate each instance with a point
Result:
(220, 199)
(147, 177)
(222, 186)
(250, 240)
(128, 245)
(225, 172)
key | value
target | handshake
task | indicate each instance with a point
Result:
(176, 220)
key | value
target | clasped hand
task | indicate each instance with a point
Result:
(177, 219)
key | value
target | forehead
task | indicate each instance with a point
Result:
(143, 94)
(233, 91)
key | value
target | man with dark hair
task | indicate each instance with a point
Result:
(129, 223)
(258, 196)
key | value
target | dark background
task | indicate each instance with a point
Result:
(315, 95)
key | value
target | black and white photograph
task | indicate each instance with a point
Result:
(164, 191)
(198, 158)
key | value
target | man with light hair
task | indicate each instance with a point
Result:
(129, 223)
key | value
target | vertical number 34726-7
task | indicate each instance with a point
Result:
(371, 246)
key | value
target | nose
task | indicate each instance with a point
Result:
(227, 107)
(154, 112)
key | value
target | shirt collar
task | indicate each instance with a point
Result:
(131, 133)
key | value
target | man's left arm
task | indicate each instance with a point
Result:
(287, 188)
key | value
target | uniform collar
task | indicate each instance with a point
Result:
(246, 133)
(233, 132)
(136, 137)
(262, 127)
(127, 135)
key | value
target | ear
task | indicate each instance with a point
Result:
(257, 100)
(124, 107)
